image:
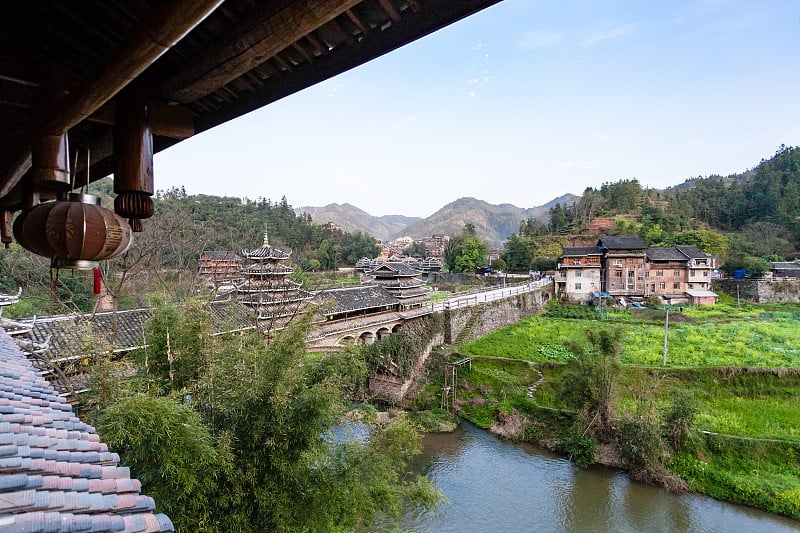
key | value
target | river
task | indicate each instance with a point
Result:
(496, 486)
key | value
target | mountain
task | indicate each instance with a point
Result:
(493, 223)
(352, 219)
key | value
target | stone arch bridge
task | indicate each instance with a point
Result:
(483, 311)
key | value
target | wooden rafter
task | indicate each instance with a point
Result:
(387, 6)
(155, 35)
(260, 39)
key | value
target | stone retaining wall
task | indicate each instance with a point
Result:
(761, 291)
(488, 317)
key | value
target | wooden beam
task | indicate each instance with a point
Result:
(390, 10)
(267, 33)
(168, 23)
(165, 120)
(357, 21)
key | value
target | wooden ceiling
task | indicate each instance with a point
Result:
(66, 64)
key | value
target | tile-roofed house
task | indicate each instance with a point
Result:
(785, 269)
(218, 267)
(666, 273)
(623, 265)
(55, 474)
(621, 242)
(579, 273)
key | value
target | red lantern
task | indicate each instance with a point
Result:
(74, 231)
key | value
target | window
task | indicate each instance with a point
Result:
(705, 273)
(676, 285)
(577, 273)
(618, 273)
(577, 286)
(617, 262)
(639, 278)
(630, 261)
(631, 273)
(630, 286)
(662, 285)
(659, 272)
(676, 273)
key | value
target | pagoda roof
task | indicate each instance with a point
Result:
(265, 251)
(394, 269)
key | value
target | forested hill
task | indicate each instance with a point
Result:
(202, 222)
(770, 193)
(744, 219)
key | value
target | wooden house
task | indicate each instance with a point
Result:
(218, 267)
(623, 266)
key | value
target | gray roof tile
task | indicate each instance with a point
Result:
(55, 474)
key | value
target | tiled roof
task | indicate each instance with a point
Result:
(55, 474)
(691, 251)
(665, 254)
(622, 242)
(220, 256)
(394, 269)
(354, 299)
(60, 360)
(580, 251)
(266, 252)
(785, 265)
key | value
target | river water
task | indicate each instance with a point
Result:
(495, 486)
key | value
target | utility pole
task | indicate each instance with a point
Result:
(666, 332)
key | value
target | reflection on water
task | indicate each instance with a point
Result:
(492, 485)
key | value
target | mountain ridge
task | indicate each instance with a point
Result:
(493, 223)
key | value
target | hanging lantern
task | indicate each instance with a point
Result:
(74, 231)
(133, 162)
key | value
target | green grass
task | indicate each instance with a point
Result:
(741, 365)
(768, 338)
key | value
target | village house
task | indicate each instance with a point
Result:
(219, 267)
(623, 267)
(435, 244)
(579, 273)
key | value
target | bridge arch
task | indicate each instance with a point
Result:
(382, 333)
(347, 340)
(367, 338)
(397, 327)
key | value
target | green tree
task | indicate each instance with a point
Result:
(273, 408)
(473, 254)
(516, 254)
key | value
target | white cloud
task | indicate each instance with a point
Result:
(617, 32)
(541, 38)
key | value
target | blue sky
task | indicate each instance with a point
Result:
(521, 103)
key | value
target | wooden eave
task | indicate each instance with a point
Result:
(197, 63)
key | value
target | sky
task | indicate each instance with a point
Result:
(520, 103)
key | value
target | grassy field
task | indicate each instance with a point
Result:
(739, 365)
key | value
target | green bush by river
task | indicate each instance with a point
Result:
(738, 367)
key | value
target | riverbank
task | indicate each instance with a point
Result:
(728, 431)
